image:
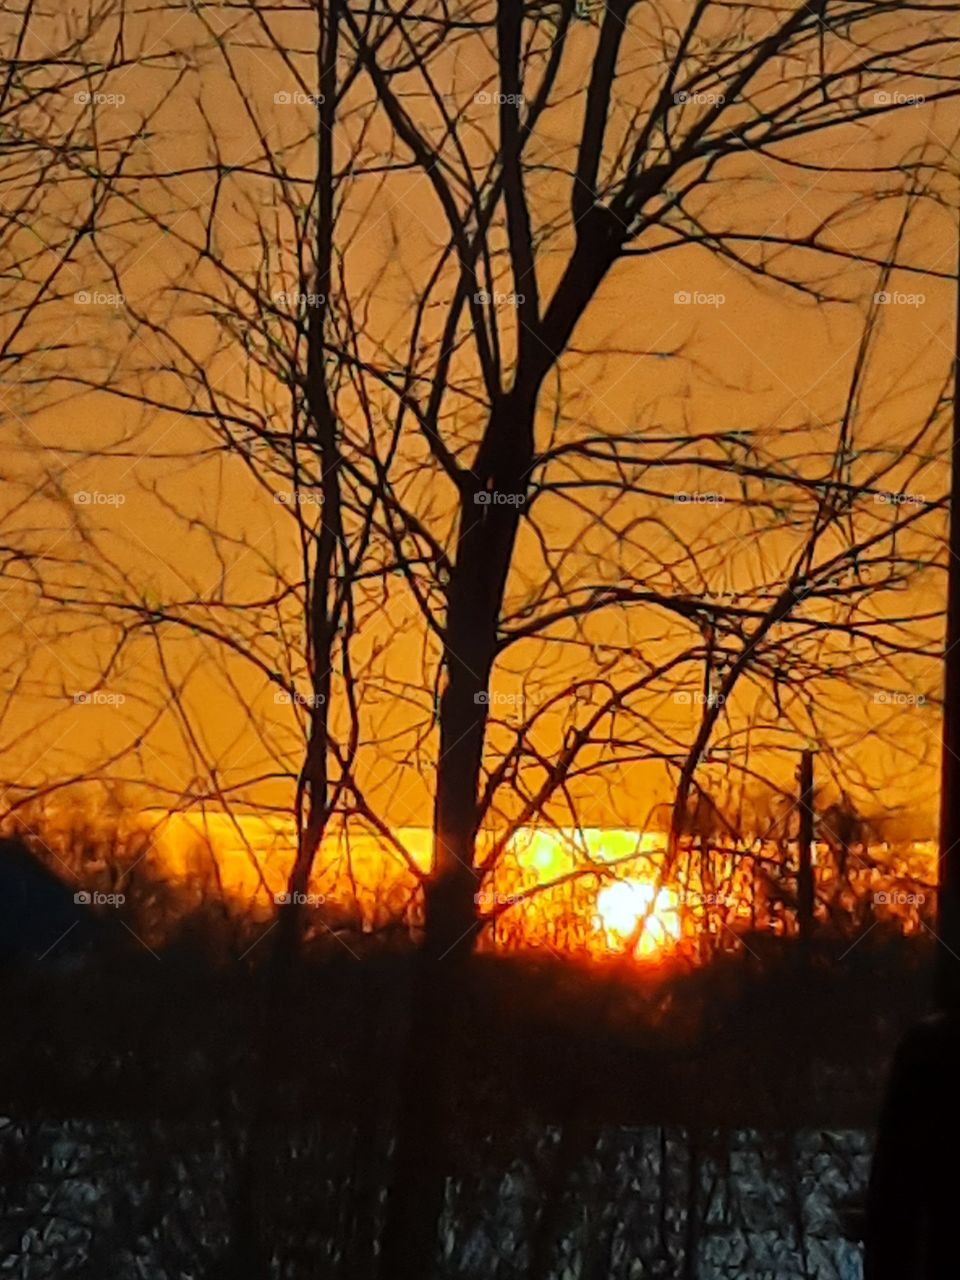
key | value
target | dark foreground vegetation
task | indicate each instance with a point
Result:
(699, 1117)
(709, 1123)
(767, 1037)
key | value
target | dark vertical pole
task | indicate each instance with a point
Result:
(948, 929)
(805, 895)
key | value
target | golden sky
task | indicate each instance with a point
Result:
(201, 532)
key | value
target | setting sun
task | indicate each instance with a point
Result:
(480, 644)
(623, 904)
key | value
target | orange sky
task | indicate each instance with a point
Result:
(762, 360)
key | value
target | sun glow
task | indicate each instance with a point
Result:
(622, 906)
(579, 890)
(586, 892)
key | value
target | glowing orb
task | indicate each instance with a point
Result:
(622, 905)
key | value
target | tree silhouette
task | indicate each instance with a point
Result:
(389, 280)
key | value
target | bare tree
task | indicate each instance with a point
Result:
(67, 140)
(393, 253)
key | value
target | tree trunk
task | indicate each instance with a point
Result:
(486, 539)
(805, 838)
(249, 1254)
(409, 1247)
(948, 929)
